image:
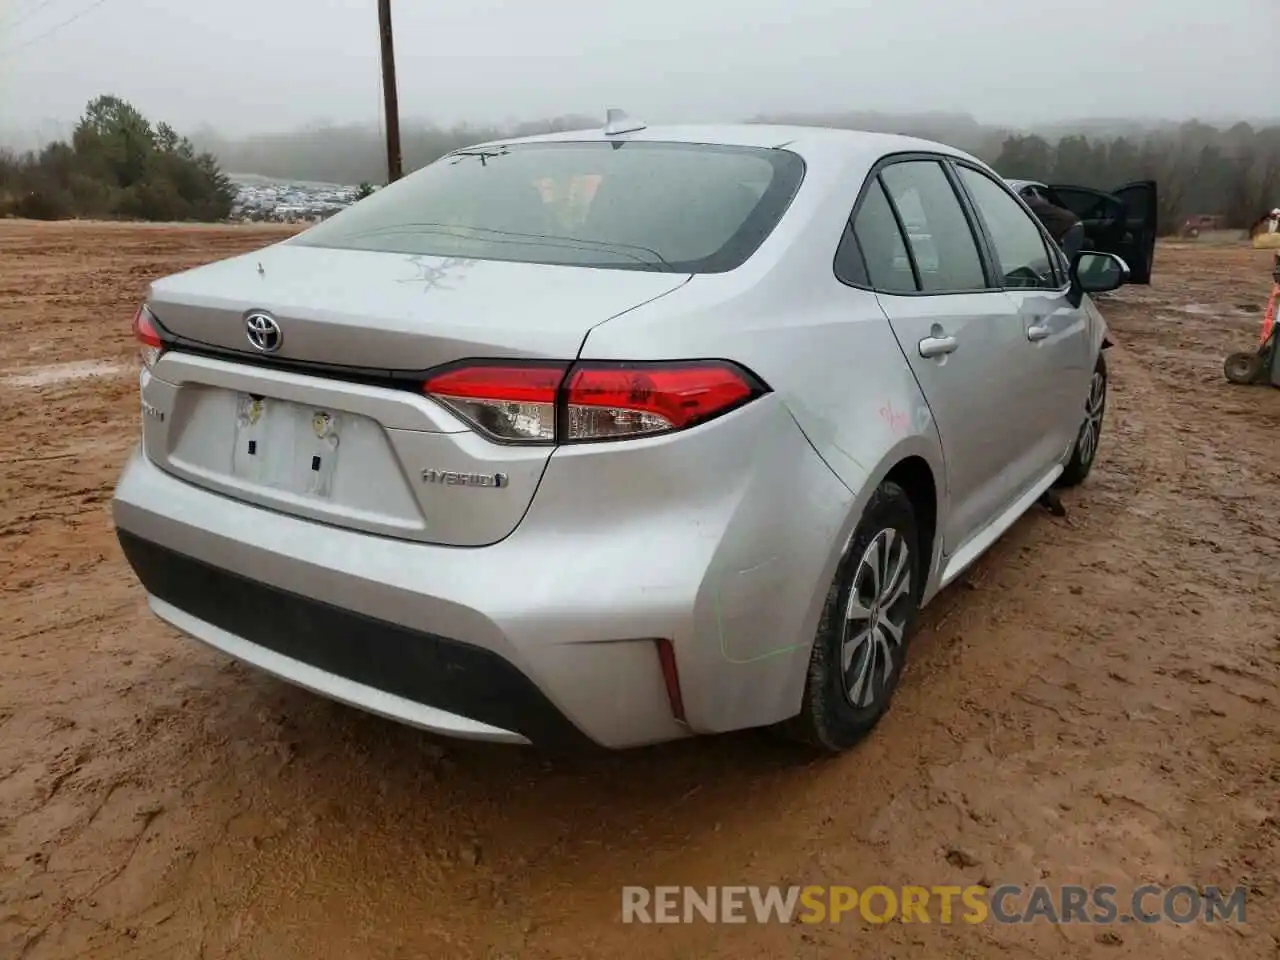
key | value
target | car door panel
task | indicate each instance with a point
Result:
(1141, 204)
(1051, 372)
(1056, 372)
(961, 337)
(971, 394)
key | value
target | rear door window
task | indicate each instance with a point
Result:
(942, 243)
(888, 263)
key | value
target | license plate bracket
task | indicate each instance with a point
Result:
(286, 446)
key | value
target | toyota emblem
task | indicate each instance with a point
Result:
(263, 332)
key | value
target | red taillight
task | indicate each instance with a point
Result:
(144, 331)
(628, 400)
(598, 400)
(513, 402)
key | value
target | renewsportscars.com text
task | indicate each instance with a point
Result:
(1005, 904)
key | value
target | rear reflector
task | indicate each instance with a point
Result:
(553, 402)
(150, 345)
(671, 679)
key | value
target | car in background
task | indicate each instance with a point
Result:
(614, 436)
(1122, 221)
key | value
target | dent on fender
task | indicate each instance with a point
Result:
(821, 434)
(740, 587)
(740, 584)
(754, 587)
(735, 590)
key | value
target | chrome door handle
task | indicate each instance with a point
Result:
(937, 346)
(1038, 332)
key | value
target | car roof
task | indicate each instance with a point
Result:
(809, 142)
(1017, 185)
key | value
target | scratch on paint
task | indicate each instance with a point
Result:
(819, 430)
(432, 272)
(724, 646)
(897, 420)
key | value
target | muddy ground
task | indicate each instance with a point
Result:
(1098, 702)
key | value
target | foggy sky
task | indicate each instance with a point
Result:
(258, 65)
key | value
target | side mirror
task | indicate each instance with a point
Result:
(1095, 272)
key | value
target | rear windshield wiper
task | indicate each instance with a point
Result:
(484, 155)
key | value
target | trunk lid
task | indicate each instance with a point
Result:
(348, 450)
(398, 312)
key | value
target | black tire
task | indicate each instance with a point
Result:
(1243, 368)
(1089, 437)
(829, 717)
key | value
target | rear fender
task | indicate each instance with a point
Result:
(927, 447)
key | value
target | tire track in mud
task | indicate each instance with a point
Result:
(1095, 702)
(970, 773)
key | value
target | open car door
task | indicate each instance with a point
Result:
(1139, 244)
(1122, 222)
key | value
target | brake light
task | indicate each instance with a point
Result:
(150, 346)
(607, 401)
(510, 403)
(550, 402)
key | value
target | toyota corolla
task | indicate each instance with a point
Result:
(613, 437)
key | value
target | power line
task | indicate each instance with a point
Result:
(30, 12)
(56, 27)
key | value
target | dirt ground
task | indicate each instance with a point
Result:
(1098, 702)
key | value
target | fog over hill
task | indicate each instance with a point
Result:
(353, 153)
(1228, 169)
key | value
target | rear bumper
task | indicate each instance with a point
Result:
(442, 638)
(549, 635)
(428, 681)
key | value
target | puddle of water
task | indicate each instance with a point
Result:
(61, 373)
(1209, 309)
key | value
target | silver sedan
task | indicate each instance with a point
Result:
(616, 436)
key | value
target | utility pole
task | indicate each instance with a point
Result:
(389, 99)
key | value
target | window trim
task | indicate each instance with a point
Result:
(872, 179)
(1051, 250)
(852, 255)
(902, 232)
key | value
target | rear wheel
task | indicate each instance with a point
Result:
(860, 649)
(1244, 368)
(1085, 451)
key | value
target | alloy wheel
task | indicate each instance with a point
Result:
(875, 616)
(1093, 409)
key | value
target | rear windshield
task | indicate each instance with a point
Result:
(672, 207)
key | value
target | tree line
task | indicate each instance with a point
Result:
(1232, 171)
(1198, 168)
(118, 165)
